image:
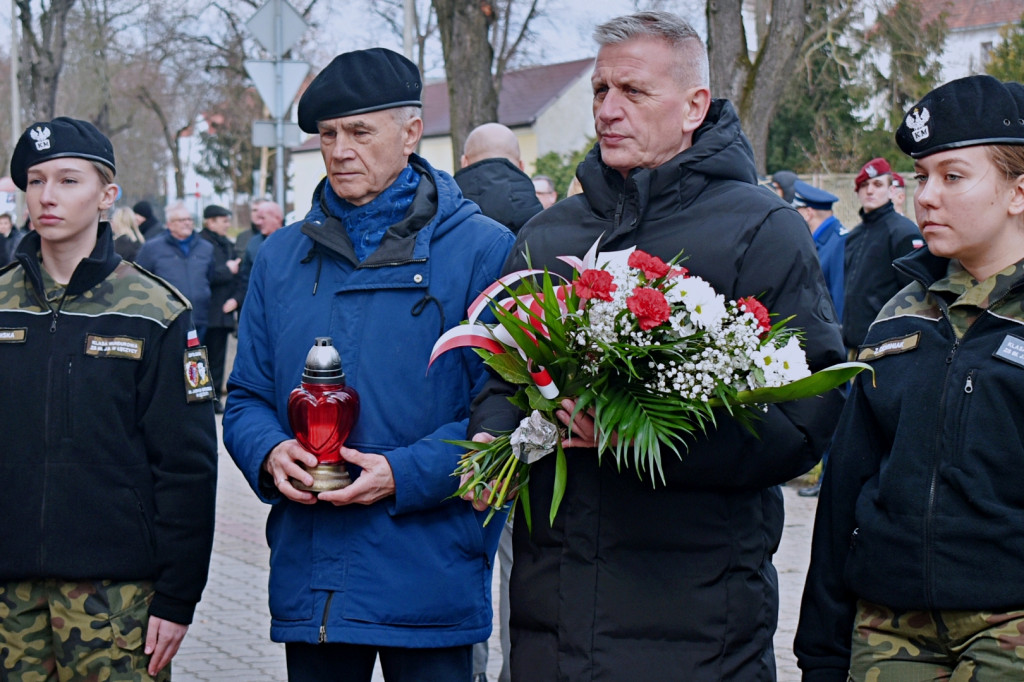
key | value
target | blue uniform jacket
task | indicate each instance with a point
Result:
(831, 244)
(412, 570)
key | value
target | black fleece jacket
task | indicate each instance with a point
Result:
(109, 471)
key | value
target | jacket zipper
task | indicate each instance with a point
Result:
(55, 313)
(323, 623)
(620, 207)
(390, 264)
(934, 478)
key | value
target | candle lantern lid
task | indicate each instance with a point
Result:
(323, 364)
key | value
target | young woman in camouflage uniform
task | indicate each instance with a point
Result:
(108, 462)
(919, 539)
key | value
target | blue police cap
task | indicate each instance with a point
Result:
(812, 197)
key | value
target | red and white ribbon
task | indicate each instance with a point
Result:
(545, 384)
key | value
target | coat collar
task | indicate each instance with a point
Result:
(92, 270)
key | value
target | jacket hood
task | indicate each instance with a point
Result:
(438, 199)
(720, 151)
(501, 190)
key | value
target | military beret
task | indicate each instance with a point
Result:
(871, 169)
(812, 197)
(215, 211)
(898, 181)
(785, 179)
(963, 113)
(61, 137)
(359, 82)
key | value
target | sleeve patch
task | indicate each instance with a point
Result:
(198, 383)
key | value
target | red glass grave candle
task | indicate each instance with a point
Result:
(322, 411)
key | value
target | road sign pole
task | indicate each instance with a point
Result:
(279, 51)
(276, 26)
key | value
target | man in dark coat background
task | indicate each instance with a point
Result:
(676, 582)
(492, 176)
(226, 293)
(179, 256)
(147, 221)
(882, 236)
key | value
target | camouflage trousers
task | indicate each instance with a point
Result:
(921, 646)
(88, 631)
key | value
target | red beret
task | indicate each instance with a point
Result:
(871, 169)
(898, 181)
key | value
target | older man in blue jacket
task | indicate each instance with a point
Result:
(389, 257)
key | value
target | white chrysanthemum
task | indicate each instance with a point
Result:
(706, 308)
(793, 361)
(781, 365)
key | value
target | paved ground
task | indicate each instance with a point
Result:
(229, 639)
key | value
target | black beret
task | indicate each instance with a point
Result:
(359, 82)
(215, 211)
(144, 209)
(61, 137)
(963, 113)
(785, 179)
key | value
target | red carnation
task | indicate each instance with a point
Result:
(757, 309)
(652, 266)
(650, 307)
(595, 284)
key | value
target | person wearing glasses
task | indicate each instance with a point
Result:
(179, 256)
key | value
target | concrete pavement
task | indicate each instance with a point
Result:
(229, 638)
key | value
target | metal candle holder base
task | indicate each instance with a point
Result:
(326, 477)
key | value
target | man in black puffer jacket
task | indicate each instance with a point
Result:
(492, 176)
(676, 582)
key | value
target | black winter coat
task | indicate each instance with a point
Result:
(503, 192)
(224, 284)
(869, 278)
(673, 583)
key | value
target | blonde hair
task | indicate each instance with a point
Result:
(1009, 159)
(123, 224)
(105, 171)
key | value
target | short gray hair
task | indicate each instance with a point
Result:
(676, 31)
(403, 114)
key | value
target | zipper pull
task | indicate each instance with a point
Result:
(323, 634)
(969, 385)
(53, 323)
(952, 351)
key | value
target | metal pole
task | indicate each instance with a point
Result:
(279, 96)
(15, 100)
(408, 33)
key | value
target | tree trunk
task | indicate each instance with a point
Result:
(464, 27)
(754, 87)
(42, 55)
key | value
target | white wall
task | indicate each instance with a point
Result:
(565, 126)
(964, 54)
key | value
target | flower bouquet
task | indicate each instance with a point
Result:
(648, 349)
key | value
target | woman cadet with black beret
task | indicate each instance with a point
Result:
(918, 551)
(109, 450)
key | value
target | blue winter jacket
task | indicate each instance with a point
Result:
(191, 274)
(412, 570)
